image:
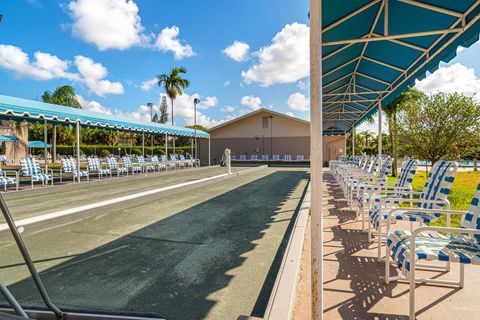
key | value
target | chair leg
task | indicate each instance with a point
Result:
(379, 246)
(412, 292)
(462, 275)
(387, 265)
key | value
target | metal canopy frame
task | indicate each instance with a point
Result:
(347, 83)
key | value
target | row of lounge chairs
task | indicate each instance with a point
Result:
(266, 157)
(386, 203)
(31, 169)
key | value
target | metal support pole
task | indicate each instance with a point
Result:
(143, 143)
(192, 148)
(353, 141)
(209, 151)
(45, 149)
(316, 165)
(379, 134)
(345, 145)
(166, 149)
(78, 150)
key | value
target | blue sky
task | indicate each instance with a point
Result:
(109, 50)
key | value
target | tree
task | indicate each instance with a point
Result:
(391, 110)
(65, 96)
(163, 111)
(174, 84)
(438, 126)
(155, 118)
(198, 126)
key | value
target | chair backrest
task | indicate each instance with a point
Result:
(288, 157)
(112, 162)
(243, 157)
(2, 173)
(173, 157)
(67, 165)
(163, 158)
(127, 162)
(93, 163)
(386, 167)
(276, 157)
(373, 166)
(233, 157)
(300, 157)
(472, 219)
(141, 161)
(265, 157)
(182, 157)
(154, 160)
(439, 183)
(405, 178)
(253, 157)
(30, 167)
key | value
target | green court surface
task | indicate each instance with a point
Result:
(210, 252)
(35, 202)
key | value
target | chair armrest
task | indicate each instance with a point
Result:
(411, 201)
(419, 230)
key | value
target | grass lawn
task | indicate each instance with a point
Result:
(464, 188)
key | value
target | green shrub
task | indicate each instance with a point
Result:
(105, 153)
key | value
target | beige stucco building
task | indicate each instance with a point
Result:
(266, 132)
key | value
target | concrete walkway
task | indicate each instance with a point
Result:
(211, 252)
(353, 279)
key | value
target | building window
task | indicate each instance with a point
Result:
(265, 122)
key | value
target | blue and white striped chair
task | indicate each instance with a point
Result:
(287, 157)
(6, 181)
(156, 163)
(69, 166)
(144, 166)
(254, 157)
(243, 157)
(265, 157)
(300, 157)
(371, 193)
(168, 163)
(127, 164)
(427, 243)
(113, 166)
(95, 167)
(31, 169)
(233, 157)
(276, 157)
(184, 161)
(434, 196)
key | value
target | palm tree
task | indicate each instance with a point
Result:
(174, 84)
(391, 110)
(65, 96)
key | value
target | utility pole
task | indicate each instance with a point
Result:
(150, 105)
(195, 102)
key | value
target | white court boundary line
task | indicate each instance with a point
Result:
(57, 214)
(66, 212)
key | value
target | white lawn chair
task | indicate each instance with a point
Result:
(287, 157)
(254, 157)
(243, 157)
(265, 157)
(435, 244)
(6, 181)
(113, 166)
(94, 167)
(69, 166)
(127, 164)
(31, 169)
(276, 157)
(300, 157)
(433, 196)
(144, 167)
(233, 157)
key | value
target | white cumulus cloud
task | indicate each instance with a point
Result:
(252, 102)
(46, 66)
(228, 109)
(285, 60)
(167, 40)
(298, 101)
(93, 75)
(148, 84)
(108, 24)
(237, 51)
(450, 79)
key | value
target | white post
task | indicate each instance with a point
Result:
(209, 151)
(316, 165)
(78, 150)
(193, 156)
(166, 149)
(345, 145)
(380, 135)
(143, 143)
(353, 141)
(45, 149)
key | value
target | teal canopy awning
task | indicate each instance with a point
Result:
(7, 138)
(31, 110)
(374, 50)
(38, 144)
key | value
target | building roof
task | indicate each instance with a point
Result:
(275, 113)
(31, 110)
(372, 50)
